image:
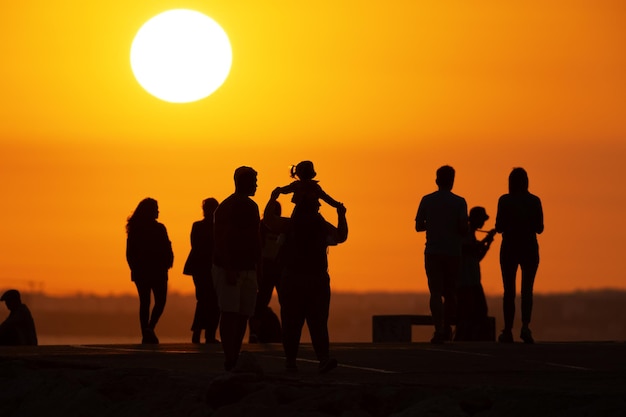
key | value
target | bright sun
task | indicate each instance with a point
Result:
(181, 56)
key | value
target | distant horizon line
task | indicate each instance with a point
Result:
(80, 294)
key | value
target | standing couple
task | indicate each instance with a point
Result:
(304, 287)
(449, 233)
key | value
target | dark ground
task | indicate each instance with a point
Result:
(417, 379)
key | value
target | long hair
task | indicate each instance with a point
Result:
(147, 211)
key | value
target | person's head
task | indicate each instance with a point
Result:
(12, 298)
(477, 217)
(275, 208)
(208, 207)
(147, 211)
(518, 181)
(245, 180)
(304, 171)
(445, 177)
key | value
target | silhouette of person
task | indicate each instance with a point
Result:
(264, 324)
(305, 188)
(149, 255)
(237, 262)
(18, 329)
(472, 323)
(520, 220)
(198, 265)
(304, 287)
(443, 216)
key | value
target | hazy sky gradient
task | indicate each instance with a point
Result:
(377, 94)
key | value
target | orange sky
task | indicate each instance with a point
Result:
(377, 94)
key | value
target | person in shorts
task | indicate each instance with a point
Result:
(236, 262)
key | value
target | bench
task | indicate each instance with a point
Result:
(397, 328)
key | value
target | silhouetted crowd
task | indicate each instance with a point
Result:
(238, 259)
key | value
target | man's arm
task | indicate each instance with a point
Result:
(339, 234)
(342, 224)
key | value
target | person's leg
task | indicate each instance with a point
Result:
(318, 306)
(263, 298)
(292, 317)
(229, 333)
(434, 275)
(529, 268)
(213, 312)
(242, 307)
(143, 291)
(232, 329)
(197, 325)
(479, 315)
(508, 267)
(451, 277)
(160, 297)
(464, 311)
(229, 299)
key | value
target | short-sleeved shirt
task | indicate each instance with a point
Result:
(237, 244)
(445, 216)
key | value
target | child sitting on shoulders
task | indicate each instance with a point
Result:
(305, 187)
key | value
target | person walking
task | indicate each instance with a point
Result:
(443, 216)
(149, 256)
(519, 219)
(236, 262)
(304, 287)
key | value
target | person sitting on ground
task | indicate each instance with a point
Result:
(19, 327)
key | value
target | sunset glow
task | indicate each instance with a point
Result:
(377, 94)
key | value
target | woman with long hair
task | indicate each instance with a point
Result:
(149, 255)
(520, 220)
